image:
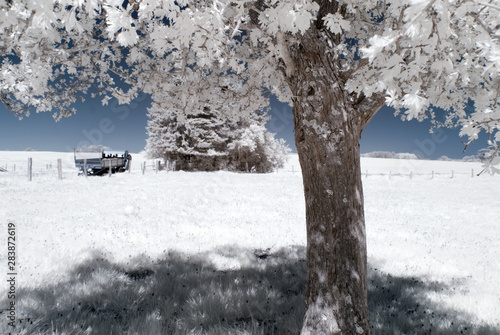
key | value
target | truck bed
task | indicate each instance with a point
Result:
(99, 163)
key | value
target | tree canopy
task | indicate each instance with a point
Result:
(419, 55)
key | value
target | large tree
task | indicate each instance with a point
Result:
(336, 61)
(205, 141)
(198, 142)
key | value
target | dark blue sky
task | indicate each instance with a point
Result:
(123, 127)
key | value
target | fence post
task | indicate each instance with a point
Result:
(174, 166)
(85, 167)
(411, 174)
(110, 172)
(143, 167)
(59, 168)
(14, 167)
(451, 174)
(30, 168)
(472, 173)
(157, 166)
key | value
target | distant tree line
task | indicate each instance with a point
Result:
(483, 156)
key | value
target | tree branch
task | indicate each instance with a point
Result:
(28, 23)
(285, 55)
(487, 5)
(484, 26)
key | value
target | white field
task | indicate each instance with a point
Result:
(439, 229)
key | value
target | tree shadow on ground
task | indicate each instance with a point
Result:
(399, 305)
(183, 294)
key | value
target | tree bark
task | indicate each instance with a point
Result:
(328, 124)
(336, 293)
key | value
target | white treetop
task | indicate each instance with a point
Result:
(193, 136)
(207, 134)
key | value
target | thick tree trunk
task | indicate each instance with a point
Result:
(328, 124)
(336, 294)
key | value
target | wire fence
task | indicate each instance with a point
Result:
(426, 175)
(406, 174)
(45, 168)
(35, 168)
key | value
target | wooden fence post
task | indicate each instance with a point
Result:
(85, 167)
(110, 172)
(59, 168)
(157, 166)
(143, 167)
(30, 168)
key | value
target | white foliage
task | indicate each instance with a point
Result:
(289, 16)
(336, 23)
(392, 155)
(377, 44)
(197, 139)
(259, 149)
(418, 54)
(415, 104)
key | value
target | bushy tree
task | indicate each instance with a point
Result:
(336, 61)
(206, 142)
(387, 154)
(254, 149)
(194, 142)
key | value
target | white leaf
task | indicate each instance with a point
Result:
(336, 23)
(127, 37)
(416, 104)
(378, 43)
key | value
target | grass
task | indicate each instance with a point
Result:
(398, 305)
(182, 294)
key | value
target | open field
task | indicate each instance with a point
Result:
(224, 253)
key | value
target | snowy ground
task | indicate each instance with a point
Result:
(432, 228)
